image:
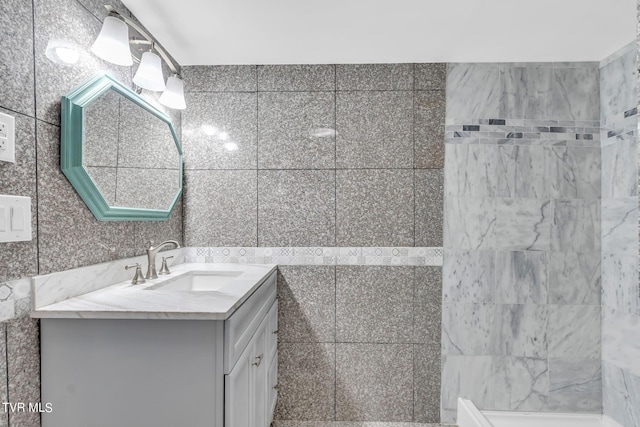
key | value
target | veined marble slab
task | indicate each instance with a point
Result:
(620, 343)
(62, 285)
(126, 301)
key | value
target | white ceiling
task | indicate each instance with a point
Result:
(211, 32)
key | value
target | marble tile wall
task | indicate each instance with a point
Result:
(65, 233)
(620, 287)
(337, 177)
(521, 314)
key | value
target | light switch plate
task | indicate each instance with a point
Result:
(7, 138)
(16, 218)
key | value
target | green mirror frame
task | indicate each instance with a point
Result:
(72, 137)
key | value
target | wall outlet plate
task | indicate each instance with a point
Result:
(7, 138)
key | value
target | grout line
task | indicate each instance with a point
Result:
(257, 169)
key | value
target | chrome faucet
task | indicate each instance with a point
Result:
(151, 257)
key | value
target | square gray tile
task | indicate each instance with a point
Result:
(523, 330)
(522, 277)
(374, 129)
(23, 358)
(525, 92)
(620, 168)
(205, 122)
(575, 385)
(470, 171)
(214, 219)
(469, 223)
(469, 329)
(66, 227)
(469, 276)
(16, 43)
(307, 381)
(427, 305)
(430, 76)
(296, 208)
(575, 94)
(374, 76)
(374, 304)
(306, 303)
(575, 172)
(19, 258)
(576, 225)
(429, 118)
(74, 24)
(574, 331)
(384, 212)
(470, 376)
(523, 224)
(292, 130)
(574, 278)
(522, 171)
(429, 211)
(296, 77)
(522, 384)
(473, 91)
(220, 78)
(619, 225)
(374, 382)
(426, 383)
(621, 389)
(618, 85)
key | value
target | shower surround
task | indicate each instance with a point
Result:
(540, 283)
(521, 276)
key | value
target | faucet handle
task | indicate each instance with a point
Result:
(164, 269)
(138, 278)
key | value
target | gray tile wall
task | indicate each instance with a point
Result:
(65, 233)
(620, 288)
(330, 156)
(521, 276)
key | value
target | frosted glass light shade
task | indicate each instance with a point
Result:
(149, 75)
(173, 95)
(112, 43)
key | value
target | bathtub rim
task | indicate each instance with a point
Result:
(468, 415)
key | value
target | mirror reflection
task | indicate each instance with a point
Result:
(130, 154)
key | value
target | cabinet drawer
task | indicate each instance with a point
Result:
(240, 327)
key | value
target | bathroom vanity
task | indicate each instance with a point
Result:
(198, 348)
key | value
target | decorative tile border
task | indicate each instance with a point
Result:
(317, 255)
(15, 299)
(523, 132)
(615, 127)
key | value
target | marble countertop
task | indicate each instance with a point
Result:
(126, 301)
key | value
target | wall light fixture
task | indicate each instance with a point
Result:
(113, 44)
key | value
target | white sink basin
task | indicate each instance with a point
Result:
(198, 281)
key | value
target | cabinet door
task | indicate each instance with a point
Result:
(238, 393)
(272, 390)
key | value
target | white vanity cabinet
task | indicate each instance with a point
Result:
(163, 373)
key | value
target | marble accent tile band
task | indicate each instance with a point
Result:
(524, 132)
(431, 256)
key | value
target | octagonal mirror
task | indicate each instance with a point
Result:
(119, 152)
